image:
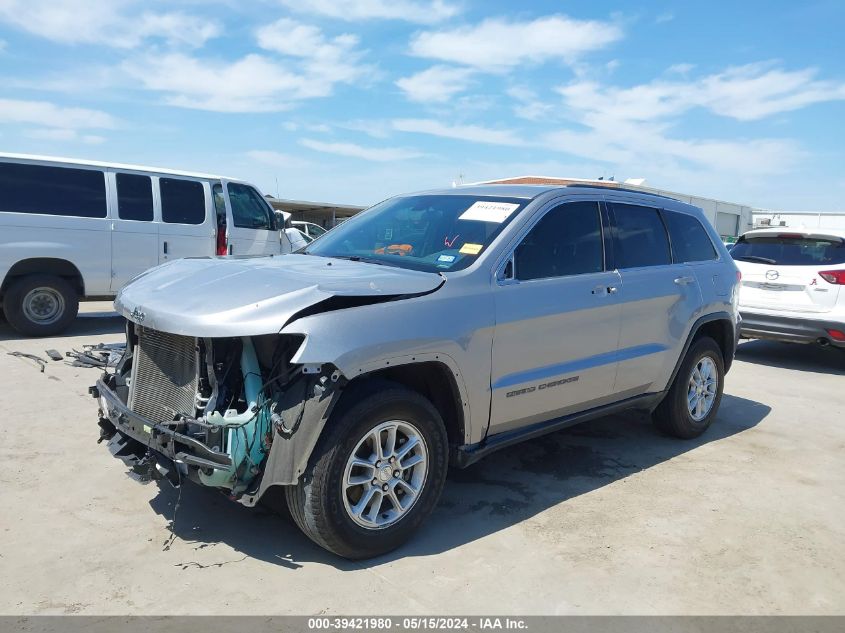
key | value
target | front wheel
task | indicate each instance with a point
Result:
(40, 305)
(693, 399)
(375, 475)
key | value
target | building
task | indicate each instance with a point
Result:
(799, 219)
(325, 214)
(730, 219)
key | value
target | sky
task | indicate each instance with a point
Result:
(352, 101)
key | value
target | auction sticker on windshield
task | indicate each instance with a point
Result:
(470, 249)
(483, 211)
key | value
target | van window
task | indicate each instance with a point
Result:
(690, 242)
(134, 197)
(639, 237)
(566, 241)
(67, 191)
(182, 201)
(249, 209)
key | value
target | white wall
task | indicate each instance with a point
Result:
(804, 220)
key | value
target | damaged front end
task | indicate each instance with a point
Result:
(229, 413)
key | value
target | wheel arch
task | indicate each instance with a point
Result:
(432, 377)
(45, 266)
(720, 327)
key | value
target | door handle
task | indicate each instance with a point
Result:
(612, 290)
(165, 248)
(683, 281)
(605, 290)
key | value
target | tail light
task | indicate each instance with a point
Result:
(221, 240)
(738, 276)
(837, 335)
(833, 276)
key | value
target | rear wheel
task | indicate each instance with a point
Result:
(375, 476)
(40, 305)
(694, 397)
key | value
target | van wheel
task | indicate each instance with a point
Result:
(40, 305)
(689, 407)
(375, 476)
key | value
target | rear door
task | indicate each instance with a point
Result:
(134, 235)
(188, 221)
(557, 321)
(660, 298)
(253, 229)
(781, 271)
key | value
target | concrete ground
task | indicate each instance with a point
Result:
(608, 517)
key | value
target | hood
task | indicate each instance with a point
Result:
(218, 297)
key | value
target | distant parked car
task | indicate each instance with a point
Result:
(792, 285)
(72, 229)
(309, 229)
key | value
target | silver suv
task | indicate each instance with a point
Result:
(429, 330)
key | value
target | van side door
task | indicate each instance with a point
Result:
(557, 320)
(252, 229)
(134, 231)
(660, 298)
(188, 221)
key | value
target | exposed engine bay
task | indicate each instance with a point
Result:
(227, 413)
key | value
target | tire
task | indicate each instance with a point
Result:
(673, 415)
(322, 505)
(47, 296)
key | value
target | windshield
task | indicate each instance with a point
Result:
(427, 232)
(789, 250)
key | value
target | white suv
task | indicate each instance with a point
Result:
(792, 285)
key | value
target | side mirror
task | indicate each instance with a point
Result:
(282, 219)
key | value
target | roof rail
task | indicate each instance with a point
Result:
(623, 189)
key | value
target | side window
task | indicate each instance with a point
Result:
(690, 242)
(219, 204)
(639, 237)
(566, 241)
(182, 201)
(249, 209)
(134, 197)
(67, 191)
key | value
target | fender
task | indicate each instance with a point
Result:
(707, 318)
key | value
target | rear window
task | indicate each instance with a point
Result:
(640, 237)
(65, 191)
(690, 242)
(134, 197)
(182, 201)
(789, 250)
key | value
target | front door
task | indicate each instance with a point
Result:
(253, 229)
(557, 321)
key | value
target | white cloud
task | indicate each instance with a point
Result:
(666, 16)
(745, 93)
(324, 61)
(472, 133)
(277, 159)
(680, 69)
(64, 135)
(353, 10)
(497, 44)
(116, 23)
(376, 154)
(437, 84)
(44, 113)
(528, 106)
(311, 66)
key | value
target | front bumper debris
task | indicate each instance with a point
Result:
(134, 437)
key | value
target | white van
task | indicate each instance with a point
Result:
(73, 229)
